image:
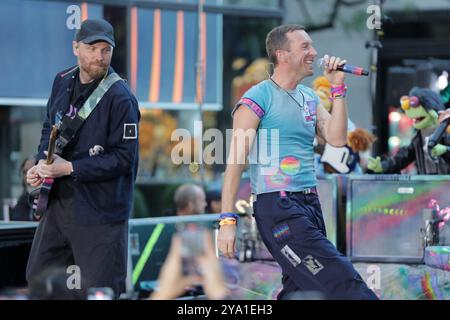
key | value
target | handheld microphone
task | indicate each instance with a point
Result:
(345, 68)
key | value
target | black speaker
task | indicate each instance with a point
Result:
(401, 79)
(15, 246)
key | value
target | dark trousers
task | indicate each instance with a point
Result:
(293, 230)
(100, 251)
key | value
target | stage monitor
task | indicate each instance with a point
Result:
(327, 188)
(385, 215)
(16, 238)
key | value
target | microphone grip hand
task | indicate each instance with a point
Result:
(438, 150)
(331, 72)
(325, 63)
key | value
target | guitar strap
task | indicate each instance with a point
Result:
(69, 127)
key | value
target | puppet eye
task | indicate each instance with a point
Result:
(413, 101)
(404, 102)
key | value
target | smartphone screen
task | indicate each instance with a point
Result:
(192, 246)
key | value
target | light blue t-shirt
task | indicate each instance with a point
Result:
(282, 156)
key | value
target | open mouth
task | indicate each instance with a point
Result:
(417, 120)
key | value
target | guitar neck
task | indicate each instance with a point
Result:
(49, 159)
(51, 145)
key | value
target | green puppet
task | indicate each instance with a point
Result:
(423, 107)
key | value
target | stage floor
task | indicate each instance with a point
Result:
(390, 281)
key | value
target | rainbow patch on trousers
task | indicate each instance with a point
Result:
(281, 232)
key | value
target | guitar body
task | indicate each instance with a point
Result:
(339, 159)
(40, 203)
(43, 197)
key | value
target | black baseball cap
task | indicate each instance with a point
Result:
(94, 30)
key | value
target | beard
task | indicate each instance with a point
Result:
(95, 70)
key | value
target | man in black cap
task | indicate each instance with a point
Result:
(94, 167)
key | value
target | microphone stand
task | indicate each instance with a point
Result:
(374, 45)
(437, 134)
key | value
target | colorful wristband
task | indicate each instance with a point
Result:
(338, 88)
(227, 222)
(337, 96)
(338, 91)
(228, 215)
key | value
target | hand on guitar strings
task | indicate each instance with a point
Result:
(33, 178)
(59, 168)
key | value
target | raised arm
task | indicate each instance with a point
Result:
(333, 128)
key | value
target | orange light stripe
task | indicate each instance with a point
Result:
(84, 11)
(201, 81)
(155, 78)
(134, 48)
(179, 60)
(203, 48)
